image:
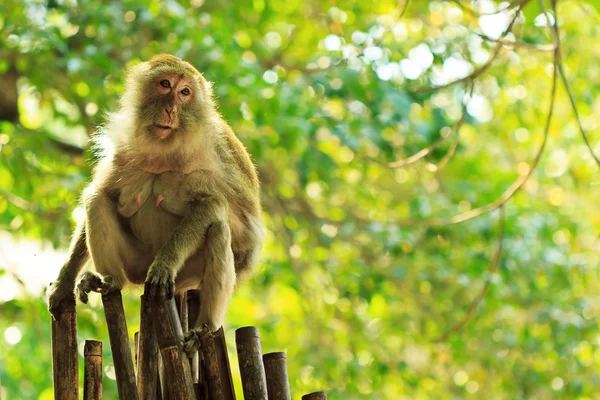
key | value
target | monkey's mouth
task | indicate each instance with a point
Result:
(163, 131)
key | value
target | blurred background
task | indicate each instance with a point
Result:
(386, 136)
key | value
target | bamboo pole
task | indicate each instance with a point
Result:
(193, 310)
(278, 386)
(315, 396)
(136, 348)
(217, 371)
(252, 371)
(92, 371)
(170, 340)
(147, 359)
(119, 344)
(65, 369)
(182, 310)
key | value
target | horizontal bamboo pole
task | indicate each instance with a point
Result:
(92, 371)
(65, 369)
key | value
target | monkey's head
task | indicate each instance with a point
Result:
(168, 97)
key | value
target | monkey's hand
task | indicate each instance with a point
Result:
(193, 339)
(159, 281)
(93, 282)
(59, 294)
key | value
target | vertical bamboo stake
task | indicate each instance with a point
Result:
(182, 310)
(147, 359)
(119, 344)
(315, 396)
(92, 371)
(170, 339)
(193, 308)
(252, 370)
(65, 369)
(136, 345)
(278, 386)
(218, 370)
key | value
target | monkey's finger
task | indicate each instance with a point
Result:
(107, 285)
(83, 296)
(170, 288)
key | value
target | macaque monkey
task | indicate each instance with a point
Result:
(174, 201)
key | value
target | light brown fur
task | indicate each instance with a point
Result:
(174, 199)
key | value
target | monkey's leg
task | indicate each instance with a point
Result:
(62, 289)
(93, 282)
(188, 238)
(217, 286)
(111, 248)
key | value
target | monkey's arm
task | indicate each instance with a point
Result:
(62, 289)
(187, 239)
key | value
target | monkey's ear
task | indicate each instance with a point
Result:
(209, 86)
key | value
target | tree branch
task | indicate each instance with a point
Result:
(516, 44)
(566, 84)
(486, 287)
(479, 71)
(428, 150)
(481, 14)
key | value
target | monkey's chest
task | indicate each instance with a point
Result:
(153, 207)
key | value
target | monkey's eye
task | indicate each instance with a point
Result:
(165, 83)
(185, 92)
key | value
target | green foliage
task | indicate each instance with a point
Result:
(324, 96)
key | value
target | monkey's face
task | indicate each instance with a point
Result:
(169, 104)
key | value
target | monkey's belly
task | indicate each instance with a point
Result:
(153, 225)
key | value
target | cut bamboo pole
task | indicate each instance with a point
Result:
(182, 310)
(136, 348)
(147, 359)
(278, 386)
(193, 310)
(252, 371)
(65, 369)
(315, 396)
(170, 340)
(119, 344)
(92, 371)
(218, 371)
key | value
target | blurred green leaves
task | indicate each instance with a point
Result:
(324, 97)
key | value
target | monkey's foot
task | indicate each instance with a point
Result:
(193, 340)
(93, 282)
(59, 293)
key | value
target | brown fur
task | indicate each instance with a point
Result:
(157, 192)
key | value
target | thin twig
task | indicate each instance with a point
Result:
(481, 14)
(479, 71)
(518, 184)
(404, 8)
(566, 84)
(451, 150)
(479, 298)
(516, 44)
(428, 150)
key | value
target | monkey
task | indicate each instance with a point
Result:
(174, 201)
